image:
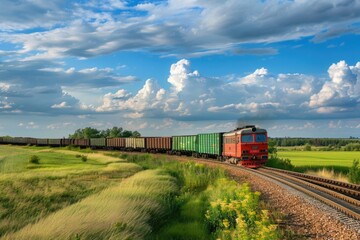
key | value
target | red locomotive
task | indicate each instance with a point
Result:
(247, 146)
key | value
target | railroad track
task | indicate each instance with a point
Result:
(320, 189)
(344, 197)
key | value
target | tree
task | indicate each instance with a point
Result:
(126, 133)
(115, 132)
(90, 132)
(272, 147)
(136, 134)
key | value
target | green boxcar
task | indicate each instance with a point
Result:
(209, 143)
(98, 142)
(184, 143)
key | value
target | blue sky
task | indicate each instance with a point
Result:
(180, 66)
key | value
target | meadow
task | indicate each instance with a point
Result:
(83, 194)
(320, 158)
(328, 164)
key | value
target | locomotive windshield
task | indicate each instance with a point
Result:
(260, 138)
(247, 138)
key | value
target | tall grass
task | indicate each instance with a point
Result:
(187, 219)
(29, 191)
(329, 173)
(210, 206)
(125, 211)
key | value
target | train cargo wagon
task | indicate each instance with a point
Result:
(67, 142)
(209, 144)
(158, 144)
(115, 143)
(42, 141)
(98, 142)
(135, 143)
(30, 141)
(184, 144)
(6, 140)
(82, 142)
(56, 142)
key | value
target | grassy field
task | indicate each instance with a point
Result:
(328, 164)
(29, 192)
(317, 158)
(82, 194)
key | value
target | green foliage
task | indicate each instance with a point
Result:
(307, 147)
(276, 162)
(354, 172)
(83, 157)
(352, 147)
(34, 159)
(272, 146)
(234, 213)
(90, 132)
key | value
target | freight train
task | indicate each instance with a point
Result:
(246, 146)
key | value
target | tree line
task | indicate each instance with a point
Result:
(114, 132)
(317, 142)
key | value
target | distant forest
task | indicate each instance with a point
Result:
(317, 142)
(90, 132)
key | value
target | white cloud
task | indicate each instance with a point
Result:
(259, 95)
(64, 125)
(29, 125)
(61, 105)
(150, 97)
(173, 27)
(46, 87)
(341, 93)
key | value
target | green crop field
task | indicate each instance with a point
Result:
(320, 158)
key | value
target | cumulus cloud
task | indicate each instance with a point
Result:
(195, 27)
(148, 98)
(341, 93)
(259, 95)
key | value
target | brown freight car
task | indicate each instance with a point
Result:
(67, 142)
(82, 142)
(116, 143)
(158, 144)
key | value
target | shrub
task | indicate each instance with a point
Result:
(234, 213)
(307, 147)
(34, 159)
(83, 158)
(276, 162)
(354, 172)
(272, 147)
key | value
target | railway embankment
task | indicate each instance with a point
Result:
(302, 215)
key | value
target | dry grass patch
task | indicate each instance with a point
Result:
(330, 174)
(124, 211)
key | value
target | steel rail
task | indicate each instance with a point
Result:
(344, 206)
(351, 190)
